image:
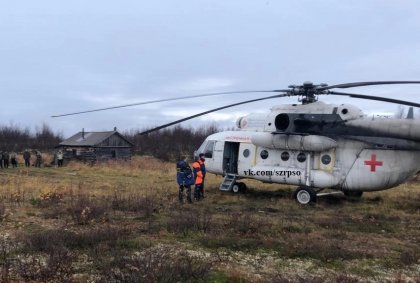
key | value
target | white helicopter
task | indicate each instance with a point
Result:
(312, 145)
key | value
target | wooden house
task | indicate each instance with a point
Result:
(96, 146)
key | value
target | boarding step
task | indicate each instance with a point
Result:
(228, 182)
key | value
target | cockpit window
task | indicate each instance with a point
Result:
(207, 148)
(208, 151)
(201, 148)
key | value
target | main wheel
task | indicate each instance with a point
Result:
(305, 195)
(236, 188)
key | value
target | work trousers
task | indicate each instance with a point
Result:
(198, 192)
(181, 193)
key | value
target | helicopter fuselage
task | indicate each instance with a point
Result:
(318, 145)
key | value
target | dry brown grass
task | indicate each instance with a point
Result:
(104, 218)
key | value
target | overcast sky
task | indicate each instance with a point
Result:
(66, 56)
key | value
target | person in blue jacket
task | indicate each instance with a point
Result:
(184, 178)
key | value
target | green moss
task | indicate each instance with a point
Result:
(224, 277)
(134, 244)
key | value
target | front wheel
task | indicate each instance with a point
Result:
(238, 187)
(305, 195)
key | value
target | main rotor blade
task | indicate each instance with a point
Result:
(357, 84)
(377, 98)
(210, 111)
(163, 100)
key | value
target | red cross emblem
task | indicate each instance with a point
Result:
(373, 163)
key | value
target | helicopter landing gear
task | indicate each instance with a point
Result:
(305, 195)
(238, 188)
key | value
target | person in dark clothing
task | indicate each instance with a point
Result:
(38, 161)
(184, 178)
(6, 158)
(27, 158)
(13, 159)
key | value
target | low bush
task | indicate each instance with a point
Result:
(7, 249)
(320, 249)
(48, 240)
(247, 224)
(55, 266)
(185, 221)
(2, 211)
(157, 264)
(237, 243)
(47, 199)
(410, 257)
(84, 209)
(145, 205)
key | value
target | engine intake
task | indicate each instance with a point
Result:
(282, 122)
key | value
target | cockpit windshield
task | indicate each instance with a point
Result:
(206, 148)
(202, 147)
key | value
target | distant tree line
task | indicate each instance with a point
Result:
(169, 144)
(15, 138)
(166, 144)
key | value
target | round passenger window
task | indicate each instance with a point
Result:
(326, 159)
(264, 154)
(301, 157)
(246, 153)
(285, 156)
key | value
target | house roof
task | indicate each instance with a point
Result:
(90, 138)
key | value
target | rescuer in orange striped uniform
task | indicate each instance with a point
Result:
(198, 177)
(201, 159)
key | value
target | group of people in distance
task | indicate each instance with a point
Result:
(27, 158)
(186, 177)
(7, 158)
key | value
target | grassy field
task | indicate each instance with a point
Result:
(121, 222)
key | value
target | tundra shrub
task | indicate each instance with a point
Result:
(185, 221)
(55, 266)
(84, 209)
(158, 264)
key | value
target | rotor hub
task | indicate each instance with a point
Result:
(307, 92)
